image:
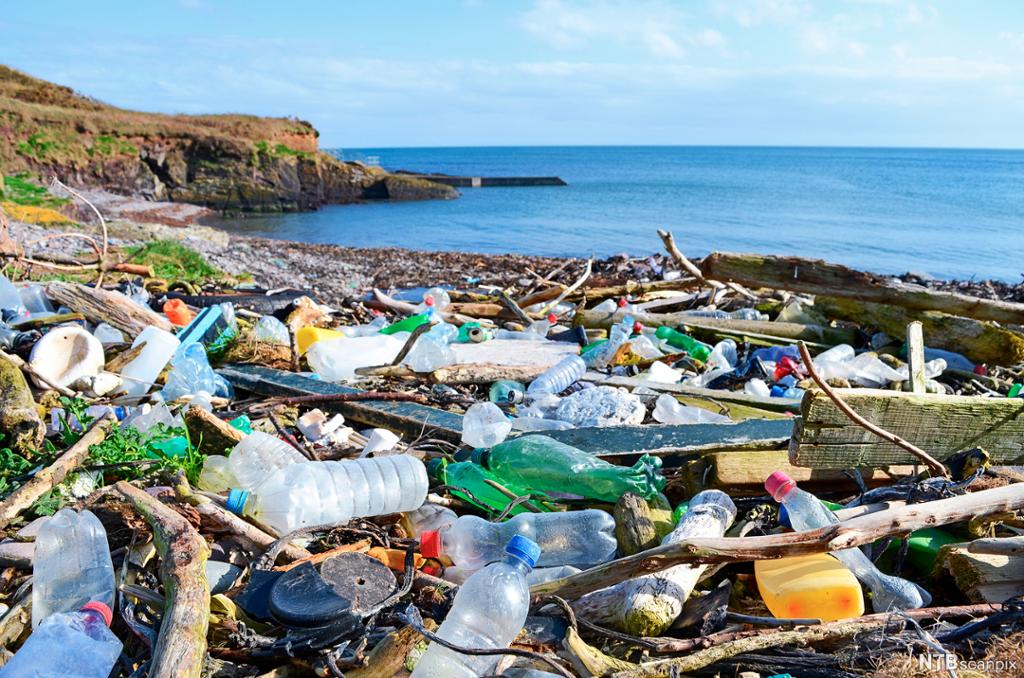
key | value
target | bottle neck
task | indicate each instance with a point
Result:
(518, 563)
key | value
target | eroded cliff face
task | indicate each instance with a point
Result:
(229, 162)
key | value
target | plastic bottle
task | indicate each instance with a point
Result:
(543, 464)
(71, 565)
(507, 392)
(407, 324)
(739, 314)
(191, 373)
(558, 378)
(78, 644)
(257, 456)
(757, 387)
(542, 327)
(428, 517)
(488, 612)
(603, 355)
(216, 475)
(369, 329)
(485, 425)
(606, 306)
(432, 351)
(34, 299)
(338, 359)
(107, 334)
(10, 299)
(668, 410)
(567, 538)
(813, 586)
(140, 373)
(468, 482)
(539, 575)
(334, 492)
(806, 513)
(698, 350)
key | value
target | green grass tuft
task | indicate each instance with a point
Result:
(173, 260)
(22, 190)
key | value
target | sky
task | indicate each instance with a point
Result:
(942, 73)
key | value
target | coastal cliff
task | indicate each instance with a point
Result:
(225, 162)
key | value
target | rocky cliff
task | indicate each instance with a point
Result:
(226, 162)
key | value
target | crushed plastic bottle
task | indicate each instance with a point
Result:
(78, 644)
(427, 518)
(191, 374)
(272, 331)
(866, 369)
(558, 378)
(601, 406)
(468, 482)
(333, 492)
(489, 611)
(739, 314)
(71, 565)
(602, 356)
(668, 410)
(485, 425)
(506, 392)
(806, 513)
(338, 359)
(698, 350)
(140, 373)
(432, 350)
(257, 456)
(581, 538)
(543, 464)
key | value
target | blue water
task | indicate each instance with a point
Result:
(947, 213)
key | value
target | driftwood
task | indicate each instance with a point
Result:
(210, 434)
(814, 276)
(812, 333)
(857, 531)
(639, 525)
(113, 308)
(825, 438)
(979, 340)
(483, 373)
(1003, 546)
(28, 369)
(180, 648)
(54, 474)
(389, 655)
(647, 605)
(983, 577)
(20, 425)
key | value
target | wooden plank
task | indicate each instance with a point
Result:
(983, 577)
(412, 419)
(749, 405)
(824, 438)
(982, 342)
(814, 276)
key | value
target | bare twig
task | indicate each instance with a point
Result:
(572, 288)
(932, 463)
(517, 311)
(418, 332)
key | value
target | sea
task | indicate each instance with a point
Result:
(945, 213)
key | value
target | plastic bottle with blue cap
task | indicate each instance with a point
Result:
(489, 611)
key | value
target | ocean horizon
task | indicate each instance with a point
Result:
(943, 212)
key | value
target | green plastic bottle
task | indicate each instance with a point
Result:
(698, 350)
(546, 465)
(407, 324)
(470, 476)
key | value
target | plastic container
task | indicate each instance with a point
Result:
(468, 481)
(71, 565)
(305, 337)
(485, 425)
(806, 513)
(489, 611)
(66, 354)
(815, 586)
(566, 538)
(601, 356)
(78, 644)
(257, 456)
(159, 347)
(334, 492)
(698, 350)
(507, 392)
(546, 465)
(34, 299)
(338, 359)
(558, 378)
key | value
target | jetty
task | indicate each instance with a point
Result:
(486, 182)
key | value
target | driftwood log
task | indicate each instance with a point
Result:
(20, 425)
(647, 605)
(180, 648)
(113, 308)
(54, 474)
(857, 531)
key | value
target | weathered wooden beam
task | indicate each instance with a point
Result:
(942, 425)
(790, 331)
(983, 577)
(100, 305)
(409, 418)
(857, 531)
(915, 357)
(210, 434)
(979, 340)
(20, 426)
(814, 276)
(739, 404)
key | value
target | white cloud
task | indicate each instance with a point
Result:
(709, 37)
(748, 13)
(1015, 40)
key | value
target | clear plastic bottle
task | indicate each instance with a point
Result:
(257, 456)
(668, 410)
(10, 299)
(428, 517)
(334, 492)
(432, 351)
(540, 575)
(739, 314)
(78, 644)
(558, 378)
(488, 612)
(566, 538)
(757, 387)
(34, 298)
(806, 512)
(369, 329)
(140, 373)
(71, 565)
(216, 475)
(602, 356)
(485, 425)
(542, 327)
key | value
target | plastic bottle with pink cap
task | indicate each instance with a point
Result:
(806, 512)
(68, 644)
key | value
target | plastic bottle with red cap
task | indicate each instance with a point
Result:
(582, 538)
(558, 378)
(76, 644)
(489, 611)
(806, 512)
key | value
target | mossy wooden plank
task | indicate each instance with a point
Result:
(983, 578)
(942, 425)
(410, 418)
